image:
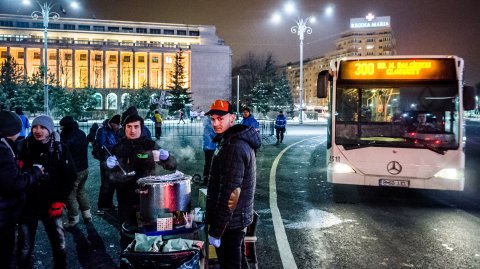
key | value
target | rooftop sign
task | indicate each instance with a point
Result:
(370, 21)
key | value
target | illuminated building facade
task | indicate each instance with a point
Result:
(367, 36)
(115, 57)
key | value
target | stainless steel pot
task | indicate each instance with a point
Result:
(163, 194)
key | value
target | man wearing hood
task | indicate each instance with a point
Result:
(13, 185)
(133, 158)
(77, 143)
(231, 185)
(133, 111)
(45, 201)
(249, 119)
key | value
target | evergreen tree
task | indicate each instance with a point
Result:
(10, 77)
(282, 98)
(179, 96)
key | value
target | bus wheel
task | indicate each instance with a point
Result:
(345, 194)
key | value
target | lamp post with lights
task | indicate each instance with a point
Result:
(46, 14)
(301, 28)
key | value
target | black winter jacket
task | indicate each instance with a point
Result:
(77, 143)
(231, 186)
(13, 184)
(136, 155)
(59, 174)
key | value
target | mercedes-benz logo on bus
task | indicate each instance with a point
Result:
(394, 167)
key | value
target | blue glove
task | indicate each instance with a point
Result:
(112, 162)
(214, 241)
(164, 154)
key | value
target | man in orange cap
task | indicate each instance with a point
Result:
(231, 185)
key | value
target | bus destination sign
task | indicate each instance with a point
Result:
(398, 69)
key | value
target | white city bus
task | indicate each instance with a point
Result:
(380, 108)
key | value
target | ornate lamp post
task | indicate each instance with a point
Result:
(46, 14)
(301, 28)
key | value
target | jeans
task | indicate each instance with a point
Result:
(279, 132)
(78, 197)
(26, 241)
(107, 188)
(158, 132)
(231, 253)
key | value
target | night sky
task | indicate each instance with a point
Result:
(420, 26)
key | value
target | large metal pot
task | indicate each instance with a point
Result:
(163, 194)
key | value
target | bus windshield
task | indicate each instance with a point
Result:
(411, 115)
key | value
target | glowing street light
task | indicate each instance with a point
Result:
(46, 13)
(300, 29)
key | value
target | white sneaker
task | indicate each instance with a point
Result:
(87, 216)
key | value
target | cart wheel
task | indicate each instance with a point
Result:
(196, 178)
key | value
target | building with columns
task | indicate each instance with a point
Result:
(366, 37)
(115, 57)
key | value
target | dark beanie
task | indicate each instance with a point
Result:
(130, 111)
(133, 118)
(67, 121)
(115, 119)
(10, 123)
(44, 121)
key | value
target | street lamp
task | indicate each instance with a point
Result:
(46, 13)
(300, 29)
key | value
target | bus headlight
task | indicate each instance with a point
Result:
(340, 168)
(449, 173)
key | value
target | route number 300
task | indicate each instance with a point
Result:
(364, 69)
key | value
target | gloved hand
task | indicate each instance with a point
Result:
(56, 209)
(164, 154)
(112, 162)
(214, 241)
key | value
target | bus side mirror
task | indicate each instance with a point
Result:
(468, 98)
(322, 83)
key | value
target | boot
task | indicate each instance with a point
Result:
(87, 216)
(72, 221)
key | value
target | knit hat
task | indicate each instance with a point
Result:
(115, 119)
(44, 121)
(66, 121)
(10, 123)
(130, 111)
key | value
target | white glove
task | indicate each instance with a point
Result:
(164, 154)
(214, 241)
(112, 162)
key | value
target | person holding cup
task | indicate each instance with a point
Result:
(133, 157)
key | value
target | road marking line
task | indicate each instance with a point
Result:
(282, 241)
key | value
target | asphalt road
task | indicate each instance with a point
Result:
(388, 228)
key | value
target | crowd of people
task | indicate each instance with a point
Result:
(44, 172)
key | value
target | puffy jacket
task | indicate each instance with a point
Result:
(59, 176)
(280, 121)
(251, 121)
(13, 184)
(231, 186)
(77, 143)
(107, 137)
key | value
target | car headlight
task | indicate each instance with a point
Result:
(450, 173)
(340, 168)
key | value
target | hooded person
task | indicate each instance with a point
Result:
(133, 158)
(133, 111)
(45, 201)
(13, 185)
(231, 185)
(107, 137)
(77, 143)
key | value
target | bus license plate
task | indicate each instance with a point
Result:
(394, 183)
